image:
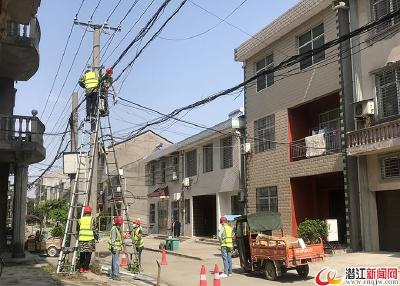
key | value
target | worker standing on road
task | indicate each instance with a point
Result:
(86, 239)
(226, 241)
(138, 239)
(90, 82)
(115, 246)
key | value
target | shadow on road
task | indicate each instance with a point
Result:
(289, 277)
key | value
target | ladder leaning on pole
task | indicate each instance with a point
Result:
(117, 191)
(85, 167)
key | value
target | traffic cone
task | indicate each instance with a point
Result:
(217, 282)
(124, 261)
(164, 257)
(203, 277)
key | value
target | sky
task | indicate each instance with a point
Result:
(168, 74)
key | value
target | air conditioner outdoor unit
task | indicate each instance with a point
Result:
(174, 176)
(363, 108)
(186, 182)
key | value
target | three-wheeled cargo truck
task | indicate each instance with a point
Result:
(259, 250)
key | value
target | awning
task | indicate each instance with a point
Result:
(263, 221)
(159, 193)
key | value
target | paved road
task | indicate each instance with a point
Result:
(184, 272)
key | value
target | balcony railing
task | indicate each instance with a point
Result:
(331, 144)
(21, 129)
(374, 134)
(22, 32)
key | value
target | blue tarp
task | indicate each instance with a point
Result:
(231, 217)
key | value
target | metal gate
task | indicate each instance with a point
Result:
(162, 208)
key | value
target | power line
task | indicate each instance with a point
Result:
(150, 40)
(60, 151)
(62, 58)
(207, 30)
(284, 64)
(131, 28)
(142, 32)
(73, 61)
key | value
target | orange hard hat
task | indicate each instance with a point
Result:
(87, 210)
(118, 220)
(223, 219)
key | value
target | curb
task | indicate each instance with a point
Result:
(174, 253)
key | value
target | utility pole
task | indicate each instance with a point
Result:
(74, 145)
(350, 168)
(97, 29)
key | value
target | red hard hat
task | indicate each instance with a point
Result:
(118, 220)
(109, 71)
(87, 210)
(138, 221)
(223, 219)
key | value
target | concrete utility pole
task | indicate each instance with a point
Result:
(97, 29)
(350, 170)
(74, 144)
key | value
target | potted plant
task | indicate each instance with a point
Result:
(312, 230)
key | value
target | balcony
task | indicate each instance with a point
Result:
(21, 138)
(323, 144)
(21, 10)
(313, 128)
(19, 50)
(375, 138)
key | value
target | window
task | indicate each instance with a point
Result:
(330, 120)
(191, 163)
(175, 210)
(236, 205)
(265, 80)
(163, 172)
(152, 213)
(267, 199)
(207, 158)
(380, 8)
(152, 175)
(264, 132)
(387, 89)
(226, 152)
(313, 39)
(390, 167)
(187, 210)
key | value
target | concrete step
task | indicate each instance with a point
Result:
(210, 241)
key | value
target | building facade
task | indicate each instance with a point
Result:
(376, 142)
(130, 157)
(21, 138)
(293, 119)
(52, 187)
(197, 180)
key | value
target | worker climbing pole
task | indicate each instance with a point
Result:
(97, 84)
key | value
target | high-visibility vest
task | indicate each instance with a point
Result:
(118, 239)
(138, 241)
(91, 80)
(85, 229)
(227, 239)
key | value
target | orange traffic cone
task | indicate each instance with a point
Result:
(217, 282)
(163, 257)
(124, 261)
(203, 277)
